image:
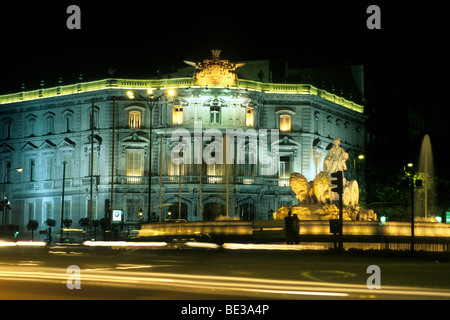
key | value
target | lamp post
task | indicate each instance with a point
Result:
(411, 185)
(62, 201)
(151, 100)
(3, 192)
(359, 157)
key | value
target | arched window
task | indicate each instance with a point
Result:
(67, 116)
(49, 123)
(135, 116)
(95, 120)
(7, 128)
(31, 125)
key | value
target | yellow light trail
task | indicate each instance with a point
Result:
(241, 286)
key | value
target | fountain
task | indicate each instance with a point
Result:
(426, 168)
(315, 197)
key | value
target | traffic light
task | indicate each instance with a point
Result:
(338, 182)
(335, 226)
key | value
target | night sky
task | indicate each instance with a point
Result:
(137, 38)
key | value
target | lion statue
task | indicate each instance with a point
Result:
(300, 186)
(321, 188)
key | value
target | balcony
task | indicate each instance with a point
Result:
(270, 182)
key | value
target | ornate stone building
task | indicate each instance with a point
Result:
(112, 131)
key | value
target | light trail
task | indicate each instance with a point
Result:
(239, 286)
(22, 243)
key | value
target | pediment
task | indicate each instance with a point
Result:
(136, 137)
(67, 143)
(286, 142)
(29, 147)
(47, 144)
(4, 147)
(97, 139)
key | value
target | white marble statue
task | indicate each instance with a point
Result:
(335, 158)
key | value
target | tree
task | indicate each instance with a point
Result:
(32, 225)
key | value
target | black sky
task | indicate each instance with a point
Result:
(137, 38)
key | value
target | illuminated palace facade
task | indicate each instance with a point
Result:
(42, 129)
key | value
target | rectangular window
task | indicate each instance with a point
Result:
(31, 127)
(134, 119)
(32, 170)
(31, 211)
(135, 165)
(215, 115)
(285, 167)
(49, 167)
(177, 115)
(285, 123)
(48, 210)
(50, 123)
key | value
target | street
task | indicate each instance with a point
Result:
(215, 274)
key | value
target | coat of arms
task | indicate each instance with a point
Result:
(215, 72)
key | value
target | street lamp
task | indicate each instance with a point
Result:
(4, 202)
(62, 201)
(412, 188)
(151, 100)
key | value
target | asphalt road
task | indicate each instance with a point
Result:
(216, 274)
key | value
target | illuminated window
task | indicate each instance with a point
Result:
(285, 123)
(249, 117)
(134, 119)
(177, 115)
(135, 165)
